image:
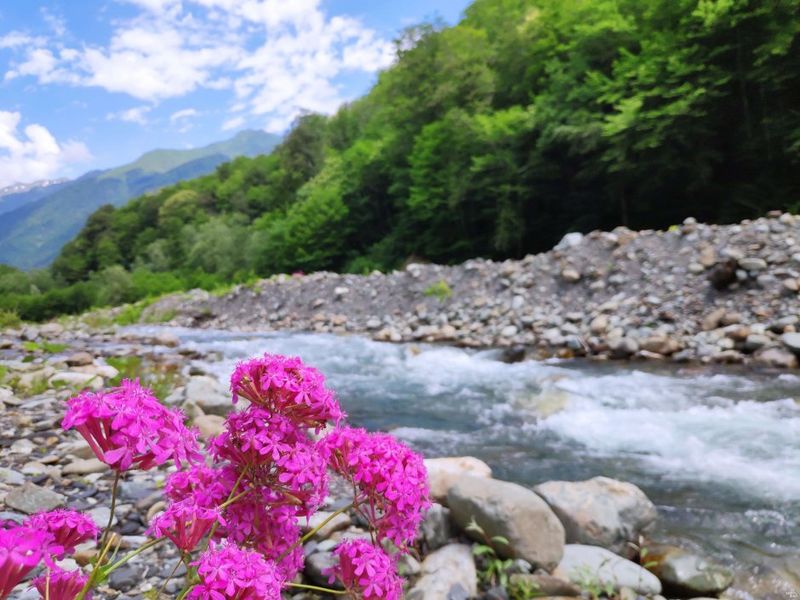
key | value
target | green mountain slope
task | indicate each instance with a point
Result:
(32, 235)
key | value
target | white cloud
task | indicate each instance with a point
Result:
(137, 114)
(278, 57)
(33, 153)
(186, 113)
(233, 123)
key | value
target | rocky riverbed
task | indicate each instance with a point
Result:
(710, 293)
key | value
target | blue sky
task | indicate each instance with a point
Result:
(87, 84)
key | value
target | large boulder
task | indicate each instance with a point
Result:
(505, 509)
(444, 472)
(600, 511)
(591, 565)
(686, 574)
(209, 395)
(447, 574)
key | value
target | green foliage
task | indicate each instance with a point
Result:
(522, 589)
(591, 584)
(491, 568)
(9, 319)
(494, 138)
(440, 290)
(160, 379)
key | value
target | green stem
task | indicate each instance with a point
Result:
(107, 530)
(315, 588)
(307, 536)
(230, 501)
(130, 555)
(186, 590)
(166, 581)
(93, 577)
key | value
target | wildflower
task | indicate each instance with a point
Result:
(57, 584)
(185, 523)
(227, 571)
(284, 385)
(128, 426)
(207, 486)
(390, 477)
(275, 454)
(366, 571)
(270, 530)
(68, 528)
(21, 549)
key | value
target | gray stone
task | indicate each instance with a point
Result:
(75, 379)
(754, 341)
(623, 347)
(791, 341)
(447, 574)
(316, 567)
(752, 264)
(683, 573)
(166, 338)
(505, 509)
(545, 585)
(85, 466)
(600, 511)
(30, 498)
(127, 576)
(11, 477)
(436, 529)
(208, 394)
(79, 359)
(582, 564)
(337, 523)
(209, 425)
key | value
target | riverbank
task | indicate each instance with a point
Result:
(707, 293)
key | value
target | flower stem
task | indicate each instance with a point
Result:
(171, 574)
(107, 530)
(94, 576)
(307, 536)
(130, 555)
(315, 588)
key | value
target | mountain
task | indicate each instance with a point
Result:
(17, 195)
(35, 223)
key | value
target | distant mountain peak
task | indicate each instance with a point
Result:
(18, 188)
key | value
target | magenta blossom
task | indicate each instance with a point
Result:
(284, 385)
(275, 454)
(57, 584)
(128, 426)
(68, 528)
(207, 486)
(391, 480)
(21, 549)
(227, 572)
(185, 523)
(366, 571)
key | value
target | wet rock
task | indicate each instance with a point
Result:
(447, 574)
(683, 573)
(582, 564)
(30, 498)
(623, 347)
(600, 511)
(506, 509)
(723, 274)
(444, 472)
(776, 357)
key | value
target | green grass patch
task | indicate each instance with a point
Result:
(440, 290)
(161, 381)
(9, 319)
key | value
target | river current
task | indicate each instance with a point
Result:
(718, 452)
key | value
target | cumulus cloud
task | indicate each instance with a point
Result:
(276, 57)
(33, 153)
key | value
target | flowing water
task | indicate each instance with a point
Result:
(718, 452)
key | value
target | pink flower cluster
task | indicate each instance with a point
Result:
(391, 479)
(127, 426)
(228, 571)
(243, 508)
(284, 385)
(44, 537)
(366, 571)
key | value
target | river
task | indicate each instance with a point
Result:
(717, 451)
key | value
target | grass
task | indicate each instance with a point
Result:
(440, 290)
(47, 347)
(9, 319)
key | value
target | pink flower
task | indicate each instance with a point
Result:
(185, 523)
(270, 530)
(276, 453)
(207, 486)
(68, 528)
(391, 480)
(227, 571)
(57, 584)
(366, 571)
(284, 385)
(128, 426)
(21, 549)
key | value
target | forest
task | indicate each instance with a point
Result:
(493, 138)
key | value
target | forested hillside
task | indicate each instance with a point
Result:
(529, 119)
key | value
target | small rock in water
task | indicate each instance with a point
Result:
(686, 574)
